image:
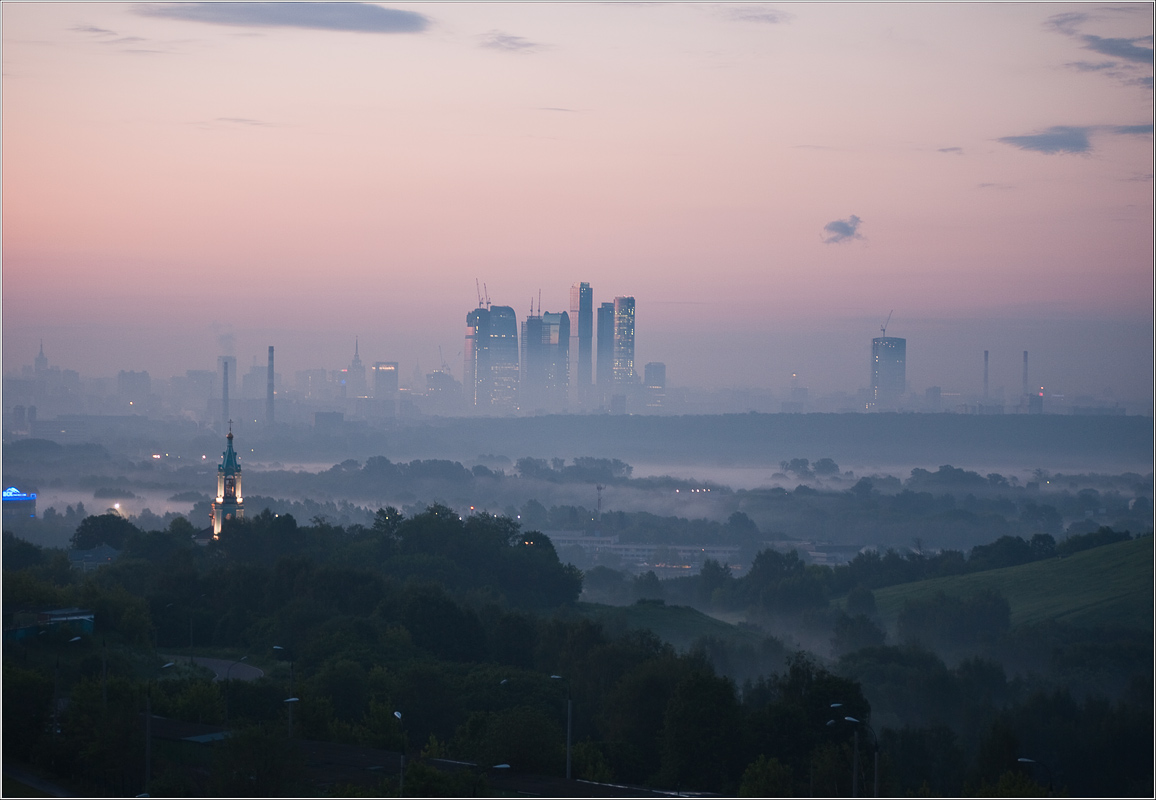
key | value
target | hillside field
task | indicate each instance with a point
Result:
(1110, 585)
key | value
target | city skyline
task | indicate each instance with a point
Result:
(769, 181)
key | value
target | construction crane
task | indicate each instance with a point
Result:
(884, 328)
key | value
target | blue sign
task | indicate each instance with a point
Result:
(12, 493)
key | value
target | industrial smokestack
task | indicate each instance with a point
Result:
(269, 391)
(1026, 390)
(225, 395)
(984, 374)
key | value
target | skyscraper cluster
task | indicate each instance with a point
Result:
(551, 366)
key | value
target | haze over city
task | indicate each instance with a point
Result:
(768, 181)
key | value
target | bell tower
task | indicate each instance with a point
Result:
(229, 503)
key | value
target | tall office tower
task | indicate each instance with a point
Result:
(476, 367)
(888, 370)
(654, 379)
(503, 358)
(581, 340)
(1027, 391)
(385, 383)
(545, 362)
(605, 346)
(40, 363)
(490, 376)
(269, 391)
(623, 341)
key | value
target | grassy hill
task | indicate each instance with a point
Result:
(682, 626)
(1110, 585)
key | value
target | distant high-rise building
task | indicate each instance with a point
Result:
(623, 341)
(133, 386)
(490, 375)
(888, 370)
(385, 383)
(545, 362)
(40, 363)
(654, 379)
(605, 346)
(581, 340)
(504, 358)
(355, 374)
(476, 367)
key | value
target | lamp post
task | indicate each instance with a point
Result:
(569, 716)
(401, 773)
(855, 751)
(284, 653)
(289, 701)
(1051, 780)
(149, 730)
(228, 672)
(874, 743)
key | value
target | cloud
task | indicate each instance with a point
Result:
(1087, 66)
(1071, 139)
(1057, 139)
(1119, 48)
(497, 40)
(556, 108)
(356, 17)
(93, 29)
(1130, 130)
(767, 16)
(842, 230)
(246, 121)
(1067, 23)
(956, 150)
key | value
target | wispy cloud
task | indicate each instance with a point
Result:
(1087, 66)
(93, 30)
(246, 121)
(507, 42)
(1057, 139)
(1130, 54)
(757, 13)
(842, 230)
(1126, 49)
(1071, 138)
(955, 150)
(354, 17)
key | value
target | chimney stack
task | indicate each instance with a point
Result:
(984, 374)
(269, 391)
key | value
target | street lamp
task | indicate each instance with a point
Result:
(228, 672)
(1047, 769)
(569, 715)
(855, 752)
(284, 653)
(289, 701)
(401, 773)
(149, 729)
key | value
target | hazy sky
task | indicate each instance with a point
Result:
(769, 181)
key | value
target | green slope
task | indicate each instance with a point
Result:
(1110, 585)
(681, 626)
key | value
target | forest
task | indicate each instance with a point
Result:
(464, 637)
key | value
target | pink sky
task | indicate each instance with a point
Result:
(172, 172)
